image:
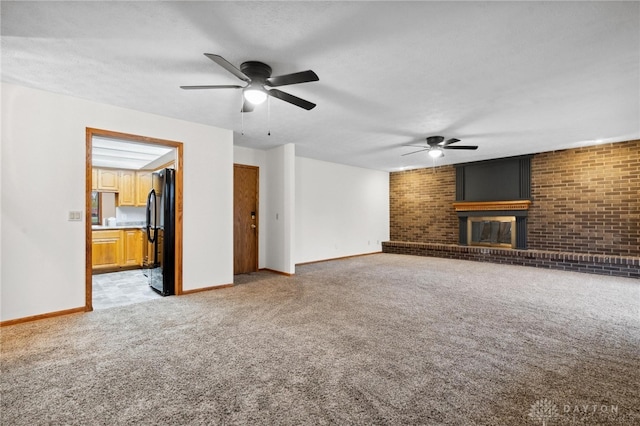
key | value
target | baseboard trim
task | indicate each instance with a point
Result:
(42, 316)
(338, 258)
(199, 290)
(286, 274)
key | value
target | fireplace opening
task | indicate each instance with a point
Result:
(492, 231)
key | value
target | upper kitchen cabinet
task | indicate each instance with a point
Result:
(107, 180)
(131, 186)
(143, 186)
(94, 179)
(127, 188)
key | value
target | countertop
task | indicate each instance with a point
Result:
(108, 228)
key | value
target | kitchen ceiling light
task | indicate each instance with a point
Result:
(255, 95)
(436, 153)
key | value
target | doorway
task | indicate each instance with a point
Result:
(245, 218)
(118, 248)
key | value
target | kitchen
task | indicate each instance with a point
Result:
(125, 250)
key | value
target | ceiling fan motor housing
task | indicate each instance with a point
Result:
(257, 71)
(434, 140)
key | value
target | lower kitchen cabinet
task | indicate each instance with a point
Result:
(118, 248)
(106, 249)
(147, 256)
(132, 242)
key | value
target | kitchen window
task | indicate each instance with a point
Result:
(96, 211)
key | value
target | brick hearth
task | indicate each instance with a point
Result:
(596, 264)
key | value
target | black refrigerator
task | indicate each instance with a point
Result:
(160, 227)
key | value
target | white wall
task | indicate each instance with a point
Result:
(280, 209)
(340, 210)
(43, 177)
(310, 210)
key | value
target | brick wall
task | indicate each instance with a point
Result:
(420, 205)
(586, 200)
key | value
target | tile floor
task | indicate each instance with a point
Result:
(121, 288)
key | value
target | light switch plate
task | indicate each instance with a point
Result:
(75, 215)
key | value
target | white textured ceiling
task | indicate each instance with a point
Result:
(511, 77)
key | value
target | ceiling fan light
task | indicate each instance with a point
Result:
(436, 153)
(254, 95)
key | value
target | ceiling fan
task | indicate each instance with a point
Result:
(436, 145)
(259, 85)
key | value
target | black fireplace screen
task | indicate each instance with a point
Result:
(499, 231)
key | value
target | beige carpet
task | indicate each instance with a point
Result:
(380, 339)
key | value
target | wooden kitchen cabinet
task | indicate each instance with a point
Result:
(132, 186)
(94, 179)
(132, 244)
(117, 248)
(160, 247)
(126, 188)
(107, 180)
(142, 240)
(143, 186)
(149, 248)
(106, 248)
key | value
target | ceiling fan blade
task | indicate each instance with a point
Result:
(470, 147)
(417, 146)
(415, 152)
(247, 106)
(291, 99)
(228, 66)
(211, 87)
(450, 141)
(295, 78)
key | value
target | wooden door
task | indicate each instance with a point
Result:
(245, 219)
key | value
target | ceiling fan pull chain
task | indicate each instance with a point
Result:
(268, 115)
(241, 113)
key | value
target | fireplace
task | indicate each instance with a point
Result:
(493, 223)
(492, 231)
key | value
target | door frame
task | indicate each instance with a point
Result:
(90, 133)
(257, 244)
